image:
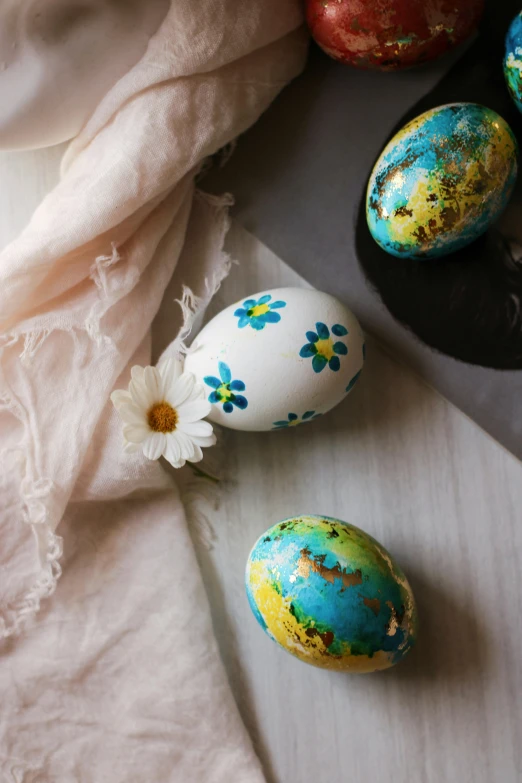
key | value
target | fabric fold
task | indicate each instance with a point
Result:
(100, 684)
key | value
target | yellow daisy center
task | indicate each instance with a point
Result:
(325, 348)
(162, 417)
(224, 392)
(294, 422)
(258, 310)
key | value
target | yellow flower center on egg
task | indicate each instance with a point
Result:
(294, 422)
(224, 392)
(162, 417)
(257, 310)
(325, 348)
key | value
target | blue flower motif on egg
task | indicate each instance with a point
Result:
(353, 382)
(225, 390)
(357, 374)
(293, 420)
(258, 313)
(322, 349)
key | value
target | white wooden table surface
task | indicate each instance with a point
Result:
(402, 463)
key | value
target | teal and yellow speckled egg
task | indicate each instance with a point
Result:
(441, 181)
(513, 60)
(331, 595)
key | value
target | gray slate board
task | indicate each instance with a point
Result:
(299, 178)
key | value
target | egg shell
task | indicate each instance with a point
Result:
(513, 60)
(330, 594)
(441, 181)
(391, 34)
(277, 359)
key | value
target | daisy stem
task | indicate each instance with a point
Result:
(203, 474)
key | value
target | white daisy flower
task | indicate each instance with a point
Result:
(162, 412)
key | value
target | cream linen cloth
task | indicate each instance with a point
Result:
(118, 678)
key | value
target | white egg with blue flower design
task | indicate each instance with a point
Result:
(277, 359)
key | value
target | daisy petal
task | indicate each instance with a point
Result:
(198, 454)
(140, 393)
(214, 398)
(206, 442)
(339, 331)
(154, 446)
(131, 414)
(193, 410)
(264, 299)
(248, 303)
(340, 348)
(181, 390)
(185, 444)
(131, 448)
(199, 392)
(152, 380)
(196, 428)
(120, 397)
(173, 451)
(237, 386)
(169, 370)
(136, 433)
(277, 305)
(137, 372)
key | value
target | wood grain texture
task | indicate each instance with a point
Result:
(400, 462)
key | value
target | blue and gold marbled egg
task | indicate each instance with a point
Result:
(513, 60)
(441, 181)
(331, 595)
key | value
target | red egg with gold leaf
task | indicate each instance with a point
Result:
(390, 35)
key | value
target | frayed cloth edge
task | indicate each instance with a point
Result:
(34, 511)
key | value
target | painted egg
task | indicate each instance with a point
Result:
(391, 34)
(331, 595)
(441, 181)
(277, 359)
(513, 60)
